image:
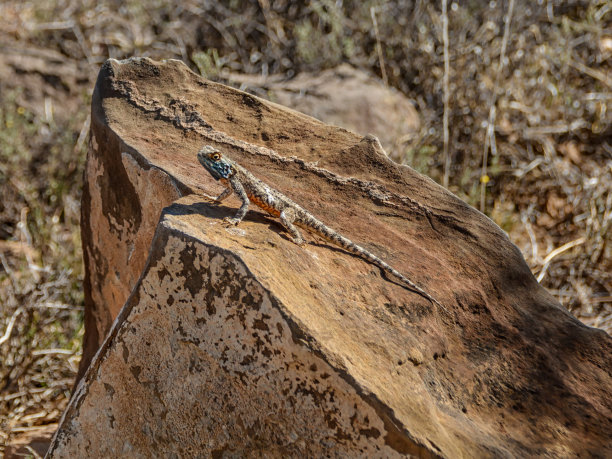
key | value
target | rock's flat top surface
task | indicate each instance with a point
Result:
(346, 97)
(508, 372)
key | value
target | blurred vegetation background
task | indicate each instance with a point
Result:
(524, 134)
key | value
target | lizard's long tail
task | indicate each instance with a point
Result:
(332, 236)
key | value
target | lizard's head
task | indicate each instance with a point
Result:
(214, 162)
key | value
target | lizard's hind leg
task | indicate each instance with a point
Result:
(287, 217)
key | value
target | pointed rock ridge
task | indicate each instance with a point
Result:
(232, 340)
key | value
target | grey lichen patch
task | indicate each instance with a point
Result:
(216, 369)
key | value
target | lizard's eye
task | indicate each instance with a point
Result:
(215, 156)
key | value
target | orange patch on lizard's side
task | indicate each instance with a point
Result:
(264, 205)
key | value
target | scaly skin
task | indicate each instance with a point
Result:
(250, 189)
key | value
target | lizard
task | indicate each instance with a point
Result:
(249, 188)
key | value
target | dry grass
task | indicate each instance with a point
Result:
(40, 266)
(529, 134)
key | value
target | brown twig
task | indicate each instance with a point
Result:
(9, 327)
(447, 159)
(556, 252)
(381, 60)
(490, 137)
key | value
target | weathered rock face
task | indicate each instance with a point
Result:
(207, 361)
(346, 97)
(236, 340)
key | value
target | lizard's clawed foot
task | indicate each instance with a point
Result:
(231, 221)
(299, 241)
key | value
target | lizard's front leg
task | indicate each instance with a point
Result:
(237, 187)
(224, 195)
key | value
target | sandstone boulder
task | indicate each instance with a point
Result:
(235, 341)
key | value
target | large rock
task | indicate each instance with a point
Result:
(206, 360)
(236, 340)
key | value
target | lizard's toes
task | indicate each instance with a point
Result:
(231, 221)
(299, 241)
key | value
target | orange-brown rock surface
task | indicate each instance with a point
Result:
(235, 341)
(344, 96)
